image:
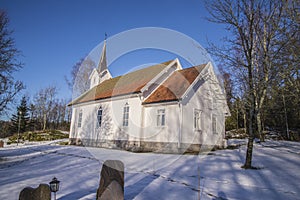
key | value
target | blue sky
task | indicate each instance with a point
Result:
(54, 35)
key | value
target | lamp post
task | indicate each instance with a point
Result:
(54, 186)
(20, 113)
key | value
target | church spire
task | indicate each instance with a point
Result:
(102, 66)
(101, 73)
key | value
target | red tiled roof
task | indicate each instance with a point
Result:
(127, 84)
(175, 86)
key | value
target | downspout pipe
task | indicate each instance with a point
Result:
(180, 124)
(142, 117)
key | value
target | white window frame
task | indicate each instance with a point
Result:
(161, 117)
(197, 119)
(214, 123)
(125, 115)
(99, 117)
(79, 122)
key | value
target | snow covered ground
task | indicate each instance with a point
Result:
(156, 176)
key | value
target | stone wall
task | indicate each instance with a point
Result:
(145, 146)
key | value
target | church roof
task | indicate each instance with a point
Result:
(127, 84)
(175, 86)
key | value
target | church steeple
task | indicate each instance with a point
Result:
(101, 73)
(102, 65)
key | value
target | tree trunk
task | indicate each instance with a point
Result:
(237, 119)
(44, 122)
(250, 123)
(259, 127)
(266, 71)
(251, 120)
(245, 122)
(248, 162)
(286, 119)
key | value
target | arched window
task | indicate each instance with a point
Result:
(99, 116)
(214, 124)
(125, 114)
(197, 119)
(79, 118)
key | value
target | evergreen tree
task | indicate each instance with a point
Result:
(21, 120)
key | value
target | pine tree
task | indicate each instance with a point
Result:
(21, 120)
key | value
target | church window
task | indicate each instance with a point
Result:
(125, 114)
(99, 117)
(79, 119)
(214, 124)
(161, 119)
(197, 119)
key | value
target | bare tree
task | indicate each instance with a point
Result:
(44, 101)
(79, 82)
(9, 88)
(257, 29)
(49, 112)
(57, 115)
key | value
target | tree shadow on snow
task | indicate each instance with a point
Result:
(133, 190)
(75, 195)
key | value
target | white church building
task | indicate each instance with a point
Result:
(162, 108)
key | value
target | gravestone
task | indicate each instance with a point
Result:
(41, 193)
(112, 181)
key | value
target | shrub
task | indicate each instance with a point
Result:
(39, 136)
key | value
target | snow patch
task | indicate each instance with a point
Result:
(156, 176)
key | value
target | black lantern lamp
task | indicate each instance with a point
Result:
(54, 186)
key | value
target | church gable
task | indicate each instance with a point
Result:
(175, 86)
(151, 86)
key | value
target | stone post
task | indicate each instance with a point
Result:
(112, 181)
(41, 193)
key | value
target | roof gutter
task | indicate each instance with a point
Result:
(117, 97)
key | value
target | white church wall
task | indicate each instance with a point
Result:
(105, 75)
(153, 131)
(73, 122)
(94, 78)
(132, 131)
(199, 103)
(202, 99)
(112, 120)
